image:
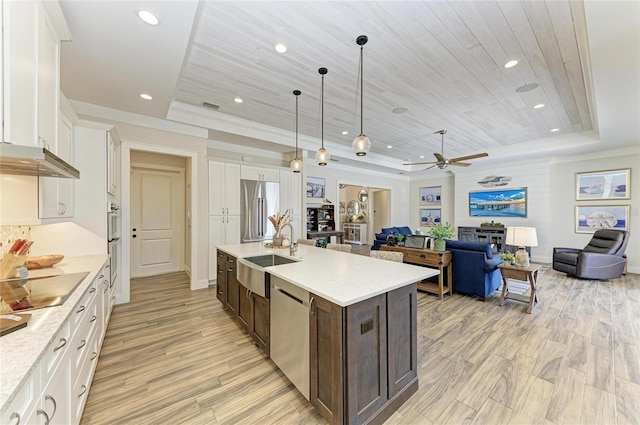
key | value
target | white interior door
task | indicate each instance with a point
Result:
(157, 220)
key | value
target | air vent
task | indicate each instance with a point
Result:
(210, 105)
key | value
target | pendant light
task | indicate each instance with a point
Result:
(296, 164)
(361, 144)
(322, 156)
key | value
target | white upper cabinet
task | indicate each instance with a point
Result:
(224, 188)
(31, 71)
(112, 162)
(249, 172)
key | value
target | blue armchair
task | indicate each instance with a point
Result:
(475, 268)
(381, 238)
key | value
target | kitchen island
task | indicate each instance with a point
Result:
(360, 342)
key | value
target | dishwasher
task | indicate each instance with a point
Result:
(290, 332)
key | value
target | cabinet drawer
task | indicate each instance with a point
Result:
(85, 302)
(80, 388)
(56, 352)
(24, 402)
(421, 258)
(84, 338)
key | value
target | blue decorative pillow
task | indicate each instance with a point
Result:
(389, 230)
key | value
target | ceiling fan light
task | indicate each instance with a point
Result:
(322, 157)
(296, 165)
(361, 145)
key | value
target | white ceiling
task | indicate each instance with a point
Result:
(443, 61)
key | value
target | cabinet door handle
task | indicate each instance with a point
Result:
(94, 355)
(63, 341)
(55, 405)
(311, 311)
(92, 290)
(82, 344)
(81, 309)
(14, 416)
(46, 417)
(84, 390)
(93, 319)
(230, 270)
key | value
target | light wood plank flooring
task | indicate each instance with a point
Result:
(174, 356)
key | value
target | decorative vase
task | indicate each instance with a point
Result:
(440, 245)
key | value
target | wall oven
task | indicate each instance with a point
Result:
(113, 239)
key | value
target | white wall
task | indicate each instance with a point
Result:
(431, 178)
(563, 201)
(534, 175)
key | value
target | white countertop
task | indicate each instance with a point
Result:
(339, 277)
(21, 350)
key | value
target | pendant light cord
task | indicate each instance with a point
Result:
(322, 114)
(296, 126)
(361, 88)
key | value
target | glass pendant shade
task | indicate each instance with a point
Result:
(361, 145)
(296, 165)
(322, 157)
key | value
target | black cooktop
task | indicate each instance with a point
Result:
(30, 294)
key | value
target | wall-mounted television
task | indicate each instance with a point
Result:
(498, 203)
(315, 187)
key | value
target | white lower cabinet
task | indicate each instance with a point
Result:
(57, 389)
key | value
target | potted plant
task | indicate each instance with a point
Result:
(441, 232)
(399, 238)
(508, 257)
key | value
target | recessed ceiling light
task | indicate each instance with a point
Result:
(148, 17)
(345, 132)
(280, 48)
(553, 130)
(538, 106)
(389, 146)
(421, 156)
(511, 63)
(146, 96)
(399, 110)
(527, 87)
(237, 100)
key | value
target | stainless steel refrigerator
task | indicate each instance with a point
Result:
(258, 200)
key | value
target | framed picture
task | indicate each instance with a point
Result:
(430, 196)
(593, 217)
(342, 207)
(315, 187)
(600, 185)
(430, 216)
(498, 203)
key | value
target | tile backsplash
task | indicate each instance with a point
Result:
(9, 234)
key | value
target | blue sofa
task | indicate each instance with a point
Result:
(381, 238)
(475, 268)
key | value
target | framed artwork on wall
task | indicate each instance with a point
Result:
(498, 203)
(430, 196)
(593, 217)
(601, 185)
(430, 216)
(315, 187)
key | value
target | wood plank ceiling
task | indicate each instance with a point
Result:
(442, 61)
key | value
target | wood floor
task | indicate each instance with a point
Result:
(173, 356)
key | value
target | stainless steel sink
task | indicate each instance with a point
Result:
(252, 270)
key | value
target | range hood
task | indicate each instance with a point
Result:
(33, 161)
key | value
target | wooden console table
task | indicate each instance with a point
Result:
(326, 234)
(429, 258)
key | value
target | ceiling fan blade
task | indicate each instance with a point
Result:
(428, 168)
(420, 163)
(459, 164)
(464, 158)
(439, 157)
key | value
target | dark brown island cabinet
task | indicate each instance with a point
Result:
(363, 363)
(249, 309)
(363, 357)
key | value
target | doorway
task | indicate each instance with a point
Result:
(375, 207)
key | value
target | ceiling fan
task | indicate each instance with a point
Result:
(443, 162)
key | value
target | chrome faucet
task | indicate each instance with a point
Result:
(293, 246)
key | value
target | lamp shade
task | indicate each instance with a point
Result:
(521, 236)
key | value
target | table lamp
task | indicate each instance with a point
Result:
(522, 237)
